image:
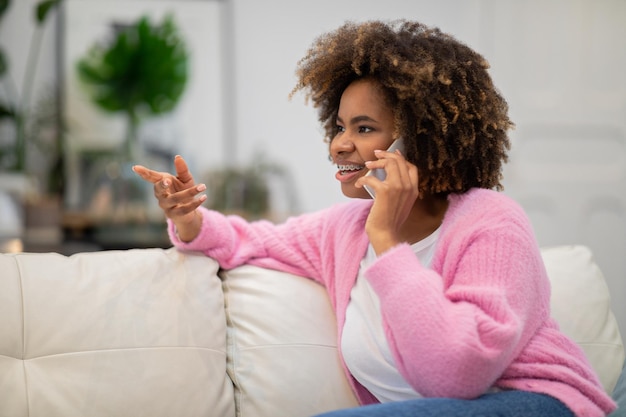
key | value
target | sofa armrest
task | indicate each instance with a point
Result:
(581, 304)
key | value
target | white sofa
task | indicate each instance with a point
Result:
(153, 332)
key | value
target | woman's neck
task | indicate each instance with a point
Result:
(426, 216)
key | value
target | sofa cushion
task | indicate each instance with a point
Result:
(122, 333)
(581, 304)
(283, 355)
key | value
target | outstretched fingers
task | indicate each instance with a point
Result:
(148, 174)
(182, 170)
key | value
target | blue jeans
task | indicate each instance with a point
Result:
(501, 404)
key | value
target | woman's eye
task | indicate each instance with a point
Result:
(339, 129)
(365, 129)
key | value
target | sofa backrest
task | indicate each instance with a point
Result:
(130, 333)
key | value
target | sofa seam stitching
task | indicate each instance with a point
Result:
(230, 345)
(18, 266)
(79, 352)
(277, 345)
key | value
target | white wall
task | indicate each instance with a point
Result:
(560, 63)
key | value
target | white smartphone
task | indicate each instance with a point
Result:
(379, 172)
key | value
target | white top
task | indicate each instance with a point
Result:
(363, 342)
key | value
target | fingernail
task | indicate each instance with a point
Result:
(166, 183)
(202, 197)
(368, 163)
(201, 187)
(377, 151)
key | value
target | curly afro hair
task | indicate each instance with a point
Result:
(453, 120)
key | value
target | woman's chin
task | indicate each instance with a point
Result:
(352, 192)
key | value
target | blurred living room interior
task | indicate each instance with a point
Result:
(69, 130)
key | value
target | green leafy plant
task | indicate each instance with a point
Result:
(16, 105)
(142, 72)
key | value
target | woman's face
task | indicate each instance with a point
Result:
(364, 124)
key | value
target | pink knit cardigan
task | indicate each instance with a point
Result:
(479, 317)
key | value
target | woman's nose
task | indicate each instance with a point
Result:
(341, 144)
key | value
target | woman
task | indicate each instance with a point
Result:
(440, 293)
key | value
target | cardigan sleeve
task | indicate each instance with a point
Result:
(294, 246)
(233, 241)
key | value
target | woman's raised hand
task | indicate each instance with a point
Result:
(177, 196)
(394, 199)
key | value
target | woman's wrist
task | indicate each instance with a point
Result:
(382, 242)
(189, 230)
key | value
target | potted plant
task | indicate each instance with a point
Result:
(143, 72)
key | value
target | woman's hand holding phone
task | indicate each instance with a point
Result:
(395, 191)
(397, 145)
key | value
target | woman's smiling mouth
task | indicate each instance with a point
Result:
(347, 169)
(348, 172)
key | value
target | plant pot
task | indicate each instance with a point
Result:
(43, 218)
